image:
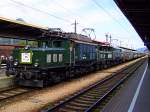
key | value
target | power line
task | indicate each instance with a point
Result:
(41, 11)
(108, 14)
(70, 12)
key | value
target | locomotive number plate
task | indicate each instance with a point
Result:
(26, 57)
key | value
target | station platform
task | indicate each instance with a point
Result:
(5, 81)
(134, 96)
(2, 72)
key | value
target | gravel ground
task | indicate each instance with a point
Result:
(36, 100)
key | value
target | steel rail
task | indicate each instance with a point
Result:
(64, 105)
(13, 92)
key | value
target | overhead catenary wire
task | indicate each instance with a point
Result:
(41, 11)
(108, 14)
(127, 21)
(67, 10)
(70, 12)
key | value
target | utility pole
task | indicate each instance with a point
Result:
(75, 26)
(106, 37)
(110, 39)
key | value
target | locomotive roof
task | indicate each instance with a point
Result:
(127, 48)
(84, 38)
(102, 43)
(78, 37)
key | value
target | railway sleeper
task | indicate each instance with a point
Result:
(79, 104)
(82, 101)
(87, 99)
(76, 108)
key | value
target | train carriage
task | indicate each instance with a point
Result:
(55, 59)
(61, 56)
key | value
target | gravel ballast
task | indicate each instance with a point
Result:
(36, 100)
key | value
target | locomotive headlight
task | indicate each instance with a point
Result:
(15, 63)
(36, 64)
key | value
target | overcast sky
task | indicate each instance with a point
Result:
(102, 15)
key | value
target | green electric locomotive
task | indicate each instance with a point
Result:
(58, 56)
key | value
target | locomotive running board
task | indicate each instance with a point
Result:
(28, 83)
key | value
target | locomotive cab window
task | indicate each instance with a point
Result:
(57, 44)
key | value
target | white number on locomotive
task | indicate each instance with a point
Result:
(25, 57)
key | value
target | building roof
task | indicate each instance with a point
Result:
(19, 29)
(138, 13)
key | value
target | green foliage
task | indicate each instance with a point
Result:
(31, 43)
(23, 43)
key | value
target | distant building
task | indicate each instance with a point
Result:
(8, 41)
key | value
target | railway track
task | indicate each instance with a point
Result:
(12, 92)
(87, 99)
